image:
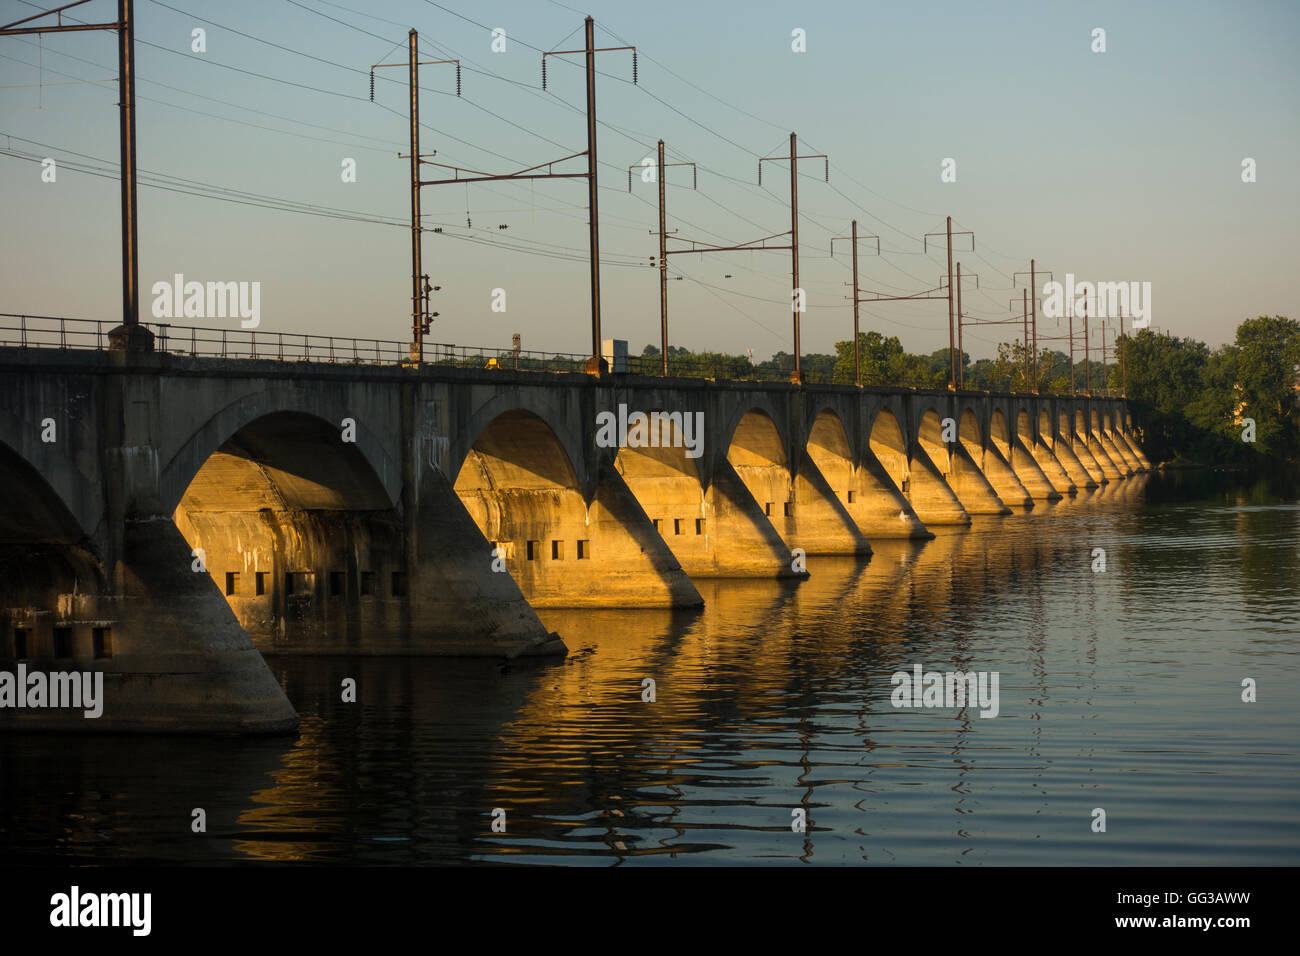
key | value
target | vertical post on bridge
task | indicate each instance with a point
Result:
(795, 302)
(663, 264)
(961, 353)
(126, 137)
(417, 303)
(857, 359)
(592, 198)
(952, 356)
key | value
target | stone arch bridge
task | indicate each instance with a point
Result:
(168, 518)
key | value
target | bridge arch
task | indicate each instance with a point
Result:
(998, 434)
(830, 450)
(968, 430)
(1025, 428)
(890, 447)
(563, 424)
(322, 425)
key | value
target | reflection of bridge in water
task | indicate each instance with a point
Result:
(383, 509)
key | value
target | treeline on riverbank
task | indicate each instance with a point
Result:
(1190, 402)
(1194, 404)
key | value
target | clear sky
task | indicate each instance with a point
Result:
(1122, 165)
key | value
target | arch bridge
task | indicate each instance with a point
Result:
(170, 518)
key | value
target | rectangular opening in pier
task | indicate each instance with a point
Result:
(259, 582)
(699, 526)
(299, 582)
(232, 583)
(532, 550)
(20, 643)
(367, 583)
(399, 584)
(62, 642)
(557, 550)
(584, 550)
(677, 526)
(336, 583)
(102, 642)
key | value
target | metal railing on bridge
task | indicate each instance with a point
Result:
(55, 332)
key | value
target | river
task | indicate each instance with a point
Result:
(1119, 690)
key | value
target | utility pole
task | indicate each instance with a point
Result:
(593, 196)
(663, 244)
(796, 299)
(952, 331)
(1122, 345)
(952, 355)
(961, 353)
(417, 304)
(130, 335)
(1025, 316)
(596, 363)
(420, 288)
(857, 359)
(1033, 312)
(853, 239)
(1087, 364)
(663, 263)
(794, 254)
(1033, 282)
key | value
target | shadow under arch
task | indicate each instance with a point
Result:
(300, 535)
(50, 578)
(521, 489)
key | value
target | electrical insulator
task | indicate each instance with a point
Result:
(372, 86)
(458, 77)
(828, 170)
(634, 66)
(468, 223)
(543, 72)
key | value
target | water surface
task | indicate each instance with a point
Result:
(1119, 690)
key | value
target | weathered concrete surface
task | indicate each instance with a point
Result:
(389, 510)
(1079, 445)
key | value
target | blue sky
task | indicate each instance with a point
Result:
(1123, 165)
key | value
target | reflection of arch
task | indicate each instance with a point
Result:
(888, 446)
(828, 447)
(1045, 426)
(1094, 419)
(516, 450)
(1063, 424)
(1080, 426)
(286, 460)
(756, 441)
(1105, 420)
